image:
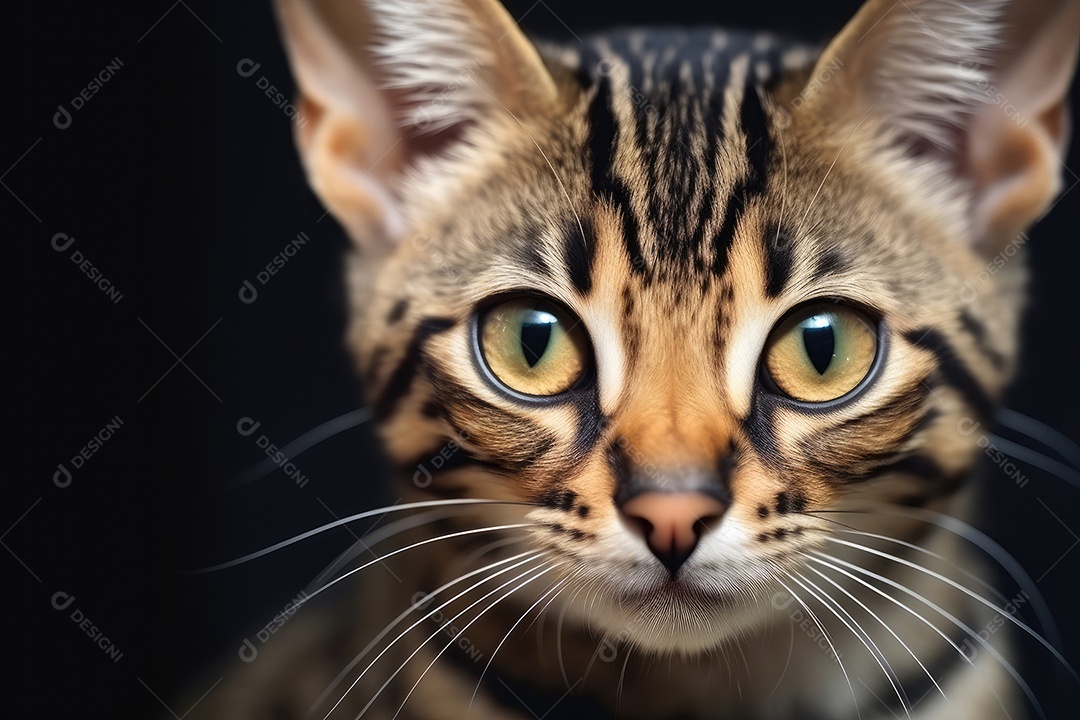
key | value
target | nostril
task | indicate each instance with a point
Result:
(672, 523)
(643, 524)
(706, 523)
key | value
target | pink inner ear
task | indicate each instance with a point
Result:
(1017, 174)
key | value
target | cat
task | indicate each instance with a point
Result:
(680, 341)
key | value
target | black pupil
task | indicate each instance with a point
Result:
(535, 335)
(820, 342)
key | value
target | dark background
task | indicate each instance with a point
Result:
(178, 180)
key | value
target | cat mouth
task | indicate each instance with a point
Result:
(683, 588)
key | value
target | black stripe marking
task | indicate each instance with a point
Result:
(401, 380)
(579, 254)
(952, 369)
(831, 262)
(604, 183)
(755, 127)
(977, 330)
(790, 501)
(397, 312)
(529, 256)
(779, 260)
(760, 427)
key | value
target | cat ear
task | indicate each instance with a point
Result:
(387, 84)
(979, 85)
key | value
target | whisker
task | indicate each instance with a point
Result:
(529, 554)
(920, 617)
(791, 649)
(467, 625)
(555, 587)
(1036, 459)
(558, 636)
(982, 541)
(1041, 432)
(555, 174)
(954, 620)
(828, 172)
(622, 676)
(346, 520)
(305, 442)
(970, 593)
(1000, 595)
(883, 624)
(365, 542)
(825, 634)
(533, 555)
(860, 634)
(428, 541)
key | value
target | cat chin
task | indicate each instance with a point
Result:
(668, 631)
(674, 620)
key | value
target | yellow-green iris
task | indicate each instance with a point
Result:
(533, 347)
(821, 353)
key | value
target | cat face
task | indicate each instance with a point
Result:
(680, 293)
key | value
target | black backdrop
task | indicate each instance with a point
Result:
(178, 181)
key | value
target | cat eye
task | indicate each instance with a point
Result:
(821, 352)
(533, 346)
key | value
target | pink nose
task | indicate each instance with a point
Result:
(673, 522)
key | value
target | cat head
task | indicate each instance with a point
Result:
(683, 292)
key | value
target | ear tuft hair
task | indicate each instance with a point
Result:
(429, 52)
(932, 59)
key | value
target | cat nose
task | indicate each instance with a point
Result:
(673, 522)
